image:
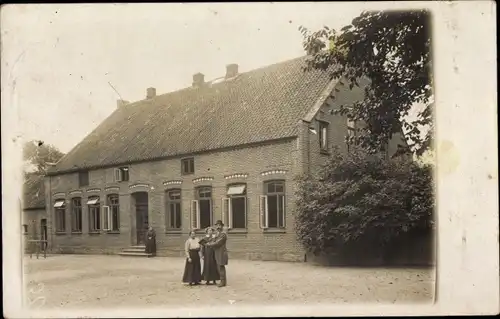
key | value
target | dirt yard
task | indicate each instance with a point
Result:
(76, 281)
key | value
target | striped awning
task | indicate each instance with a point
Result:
(93, 201)
(236, 190)
(59, 203)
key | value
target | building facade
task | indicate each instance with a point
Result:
(34, 218)
(236, 160)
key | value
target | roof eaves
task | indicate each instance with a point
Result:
(327, 92)
(34, 208)
(293, 134)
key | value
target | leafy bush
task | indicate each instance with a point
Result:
(362, 199)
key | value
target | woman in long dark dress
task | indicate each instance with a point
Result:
(210, 269)
(151, 242)
(192, 270)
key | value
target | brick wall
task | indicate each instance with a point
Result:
(337, 127)
(254, 243)
(32, 219)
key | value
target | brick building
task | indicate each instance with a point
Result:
(226, 149)
(34, 213)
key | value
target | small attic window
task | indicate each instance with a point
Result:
(187, 166)
(83, 178)
(122, 174)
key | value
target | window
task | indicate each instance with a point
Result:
(323, 136)
(76, 215)
(114, 213)
(234, 207)
(25, 229)
(173, 209)
(272, 205)
(60, 215)
(201, 208)
(121, 174)
(187, 166)
(94, 214)
(83, 178)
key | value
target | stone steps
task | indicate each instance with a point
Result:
(135, 251)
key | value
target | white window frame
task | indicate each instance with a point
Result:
(92, 218)
(111, 224)
(168, 208)
(227, 210)
(283, 210)
(283, 206)
(263, 212)
(107, 220)
(118, 175)
(195, 214)
(323, 128)
(119, 172)
(210, 201)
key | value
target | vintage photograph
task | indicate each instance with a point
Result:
(182, 155)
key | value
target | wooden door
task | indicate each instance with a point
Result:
(43, 233)
(142, 222)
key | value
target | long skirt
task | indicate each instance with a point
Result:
(192, 270)
(210, 269)
(151, 246)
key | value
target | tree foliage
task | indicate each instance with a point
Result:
(40, 155)
(392, 50)
(363, 198)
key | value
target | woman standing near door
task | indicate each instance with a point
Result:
(151, 242)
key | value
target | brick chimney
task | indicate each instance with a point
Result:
(120, 103)
(231, 70)
(151, 93)
(198, 80)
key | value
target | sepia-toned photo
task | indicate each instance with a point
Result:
(225, 155)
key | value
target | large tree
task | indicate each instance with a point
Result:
(40, 155)
(393, 50)
(362, 200)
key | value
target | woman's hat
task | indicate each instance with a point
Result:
(208, 228)
(219, 222)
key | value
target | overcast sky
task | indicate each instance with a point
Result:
(62, 57)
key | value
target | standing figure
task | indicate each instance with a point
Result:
(210, 268)
(219, 246)
(192, 269)
(151, 242)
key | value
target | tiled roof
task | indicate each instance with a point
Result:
(256, 106)
(33, 192)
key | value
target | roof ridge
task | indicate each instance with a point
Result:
(259, 105)
(189, 88)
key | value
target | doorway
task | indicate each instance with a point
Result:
(43, 233)
(141, 216)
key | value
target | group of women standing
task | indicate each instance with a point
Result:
(197, 252)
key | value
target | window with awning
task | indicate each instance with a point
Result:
(234, 210)
(59, 203)
(93, 201)
(236, 190)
